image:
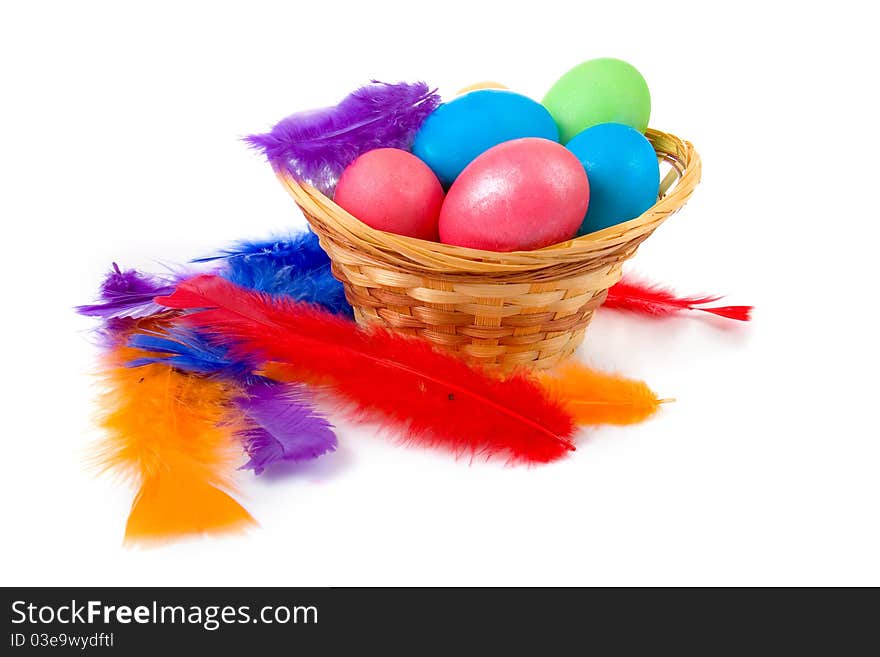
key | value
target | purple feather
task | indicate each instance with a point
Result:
(286, 427)
(315, 146)
(128, 294)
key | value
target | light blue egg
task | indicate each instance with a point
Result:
(458, 131)
(623, 172)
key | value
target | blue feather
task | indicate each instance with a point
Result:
(295, 267)
(189, 351)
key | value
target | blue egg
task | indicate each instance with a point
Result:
(623, 172)
(458, 131)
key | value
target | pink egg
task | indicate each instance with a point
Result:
(392, 190)
(519, 195)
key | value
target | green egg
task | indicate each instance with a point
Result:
(598, 91)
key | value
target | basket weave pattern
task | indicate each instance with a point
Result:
(504, 309)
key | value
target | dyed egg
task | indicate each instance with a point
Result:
(599, 91)
(476, 86)
(623, 171)
(392, 190)
(458, 131)
(520, 195)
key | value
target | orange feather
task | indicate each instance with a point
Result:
(174, 435)
(594, 397)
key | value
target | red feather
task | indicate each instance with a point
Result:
(638, 297)
(434, 398)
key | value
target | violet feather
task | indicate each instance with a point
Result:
(128, 294)
(315, 146)
(284, 425)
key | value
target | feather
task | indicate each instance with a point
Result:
(315, 146)
(435, 398)
(189, 351)
(284, 425)
(647, 299)
(300, 251)
(281, 424)
(594, 397)
(295, 266)
(128, 294)
(173, 434)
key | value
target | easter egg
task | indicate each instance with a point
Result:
(476, 86)
(519, 195)
(598, 91)
(458, 131)
(392, 190)
(623, 171)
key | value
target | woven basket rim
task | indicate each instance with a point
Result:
(409, 253)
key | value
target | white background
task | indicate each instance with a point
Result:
(120, 142)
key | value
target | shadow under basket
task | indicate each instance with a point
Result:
(523, 308)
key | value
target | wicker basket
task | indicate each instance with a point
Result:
(505, 309)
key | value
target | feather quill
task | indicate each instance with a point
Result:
(295, 266)
(128, 294)
(283, 425)
(173, 434)
(315, 146)
(637, 296)
(434, 398)
(594, 397)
